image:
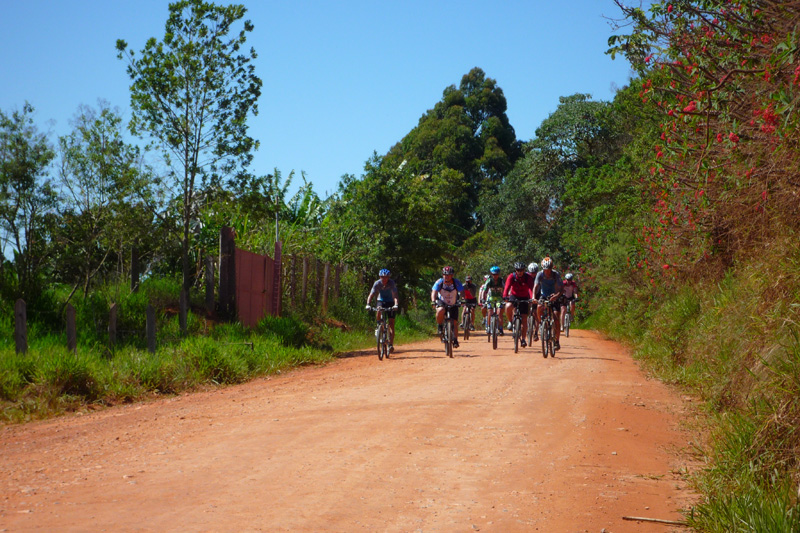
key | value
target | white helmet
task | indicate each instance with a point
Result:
(533, 268)
(568, 276)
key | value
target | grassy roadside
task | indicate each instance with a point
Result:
(735, 345)
(49, 380)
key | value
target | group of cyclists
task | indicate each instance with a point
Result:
(523, 288)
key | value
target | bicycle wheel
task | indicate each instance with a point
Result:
(448, 338)
(567, 320)
(530, 329)
(494, 331)
(467, 323)
(384, 348)
(551, 339)
(379, 339)
(543, 335)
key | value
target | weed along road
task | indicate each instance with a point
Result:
(486, 441)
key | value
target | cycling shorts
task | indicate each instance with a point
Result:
(451, 312)
(522, 303)
(388, 312)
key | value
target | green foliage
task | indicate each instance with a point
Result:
(193, 92)
(26, 202)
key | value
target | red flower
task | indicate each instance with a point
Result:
(669, 8)
(733, 137)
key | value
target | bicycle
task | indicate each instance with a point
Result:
(567, 317)
(546, 332)
(467, 320)
(382, 332)
(531, 321)
(448, 329)
(493, 322)
(516, 324)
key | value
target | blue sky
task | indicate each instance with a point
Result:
(341, 79)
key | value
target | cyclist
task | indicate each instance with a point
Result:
(569, 296)
(386, 289)
(446, 291)
(493, 292)
(533, 269)
(548, 281)
(470, 297)
(519, 288)
(482, 299)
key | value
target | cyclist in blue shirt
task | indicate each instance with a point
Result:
(549, 283)
(386, 289)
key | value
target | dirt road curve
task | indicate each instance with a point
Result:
(486, 441)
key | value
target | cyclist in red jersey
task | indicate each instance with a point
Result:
(519, 287)
(470, 297)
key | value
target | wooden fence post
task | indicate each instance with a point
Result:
(151, 328)
(209, 284)
(317, 281)
(112, 326)
(21, 326)
(72, 334)
(325, 282)
(292, 280)
(278, 281)
(305, 281)
(337, 278)
(227, 273)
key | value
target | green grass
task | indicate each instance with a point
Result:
(736, 345)
(49, 380)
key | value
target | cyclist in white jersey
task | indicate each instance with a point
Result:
(446, 291)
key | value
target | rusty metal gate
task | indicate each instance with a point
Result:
(256, 283)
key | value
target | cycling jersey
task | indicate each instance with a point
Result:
(470, 290)
(386, 293)
(549, 285)
(493, 288)
(448, 292)
(570, 288)
(519, 286)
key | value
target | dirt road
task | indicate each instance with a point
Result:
(486, 441)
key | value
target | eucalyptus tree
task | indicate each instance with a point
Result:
(27, 200)
(193, 92)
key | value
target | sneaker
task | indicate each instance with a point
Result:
(523, 343)
(439, 329)
(508, 326)
(377, 331)
(562, 329)
(500, 333)
(471, 327)
(535, 336)
(556, 345)
(455, 343)
(391, 348)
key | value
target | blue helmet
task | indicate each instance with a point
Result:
(495, 270)
(384, 272)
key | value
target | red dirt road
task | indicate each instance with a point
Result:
(486, 441)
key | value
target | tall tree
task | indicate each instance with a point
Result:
(27, 199)
(193, 92)
(100, 182)
(467, 133)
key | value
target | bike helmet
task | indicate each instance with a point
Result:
(547, 263)
(384, 272)
(495, 270)
(448, 270)
(568, 276)
(519, 265)
(533, 267)
(467, 278)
